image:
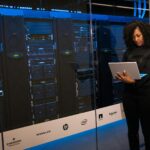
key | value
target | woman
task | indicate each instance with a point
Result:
(136, 100)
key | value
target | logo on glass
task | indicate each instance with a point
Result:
(65, 127)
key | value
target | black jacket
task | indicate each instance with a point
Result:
(142, 86)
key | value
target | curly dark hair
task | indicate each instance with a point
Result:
(128, 34)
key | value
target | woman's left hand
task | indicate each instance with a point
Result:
(124, 77)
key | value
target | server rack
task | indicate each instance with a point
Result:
(85, 78)
(41, 50)
(15, 85)
(43, 75)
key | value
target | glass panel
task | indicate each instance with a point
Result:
(48, 75)
(108, 20)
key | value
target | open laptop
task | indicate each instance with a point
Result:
(130, 67)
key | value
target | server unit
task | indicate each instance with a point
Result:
(66, 67)
(85, 78)
(15, 75)
(41, 51)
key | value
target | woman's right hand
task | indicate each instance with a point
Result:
(124, 77)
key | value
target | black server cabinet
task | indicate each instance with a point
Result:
(17, 107)
(1, 77)
(41, 50)
(75, 67)
(66, 57)
(104, 78)
(84, 68)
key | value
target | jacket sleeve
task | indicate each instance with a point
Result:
(145, 81)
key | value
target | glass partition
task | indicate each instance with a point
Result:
(59, 75)
(108, 21)
(47, 75)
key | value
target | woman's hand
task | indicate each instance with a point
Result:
(124, 77)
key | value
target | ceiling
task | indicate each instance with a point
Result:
(113, 7)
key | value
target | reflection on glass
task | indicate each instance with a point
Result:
(110, 45)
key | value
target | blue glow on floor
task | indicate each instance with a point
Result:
(110, 125)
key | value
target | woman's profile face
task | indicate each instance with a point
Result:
(138, 37)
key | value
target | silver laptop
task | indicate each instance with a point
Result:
(130, 67)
